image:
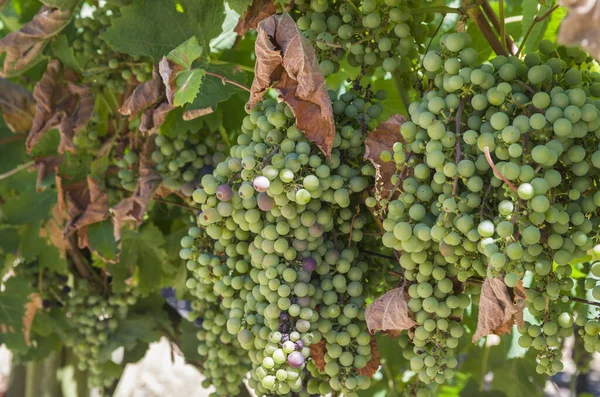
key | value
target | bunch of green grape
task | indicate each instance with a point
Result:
(102, 65)
(128, 170)
(93, 319)
(495, 178)
(283, 217)
(182, 161)
(389, 34)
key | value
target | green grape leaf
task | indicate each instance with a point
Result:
(13, 306)
(64, 52)
(29, 206)
(478, 42)
(136, 33)
(518, 377)
(213, 90)
(188, 84)
(182, 83)
(531, 9)
(175, 125)
(186, 53)
(556, 19)
(35, 244)
(143, 251)
(239, 6)
(102, 240)
(189, 342)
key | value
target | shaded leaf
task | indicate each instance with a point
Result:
(65, 53)
(317, 354)
(581, 26)
(31, 308)
(286, 60)
(18, 106)
(24, 48)
(100, 239)
(13, 301)
(389, 313)
(497, 310)
(251, 17)
(374, 363)
(86, 203)
(379, 140)
(47, 168)
(66, 107)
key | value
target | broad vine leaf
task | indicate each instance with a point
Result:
(251, 17)
(101, 239)
(287, 61)
(67, 107)
(65, 53)
(13, 303)
(28, 207)
(580, 27)
(24, 48)
(136, 32)
(18, 106)
(389, 313)
(35, 245)
(181, 82)
(239, 6)
(379, 140)
(497, 310)
(214, 90)
(537, 31)
(142, 253)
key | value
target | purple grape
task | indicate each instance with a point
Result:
(283, 328)
(264, 202)
(261, 183)
(284, 316)
(299, 345)
(224, 192)
(309, 264)
(284, 338)
(316, 230)
(295, 359)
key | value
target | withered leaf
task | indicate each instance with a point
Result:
(258, 10)
(86, 206)
(31, 308)
(18, 106)
(46, 166)
(581, 25)
(379, 140)
(24, 47)
(153, 118)
(497, 310)
(132, 209)
(168, 71)
(374, 363)
(67, 107)
(52, 231)
(389, 312)
(317, 354)
(287, 62)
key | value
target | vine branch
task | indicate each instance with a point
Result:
(17, 169)
(482, 23)
(225, 80)
(488, 157)
(536, 20)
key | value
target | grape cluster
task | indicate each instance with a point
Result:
(93, 319)
(372, 32)
(495, 176)
(102, 65)
(184, 160)
(281, 216)
(128, 170)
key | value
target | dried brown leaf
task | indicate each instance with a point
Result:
(286, 61)
(497, 310)
(132, 209)
(168, 71)
(374, 363)
(389, 312)
(67, 107)
(154, 117)
(317, 354)
(89, 206)
(31, 308)
(258, 10)
(17, 105)
(379, 140)
(581, 26)
(46, 166)
(24, 47)
(52, 231)
(195, 113)
(144, 95)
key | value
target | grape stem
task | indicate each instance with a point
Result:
(12, 138)
(482, 23)
(457, 147)
(225, 80)
(187, 207)
(536, 20)
(352, 224)
(378, 254)
(17, 169)
(488, 157)
(499, 24)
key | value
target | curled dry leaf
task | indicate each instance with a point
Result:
(132, 209)
(168, 71)
(379, 140)
(581, 25)
(374, 363)
(317, 354)
(389, 313)
(18, 106)
(148, 97)
(286, 61)
(67, 107)
(89, 206)
(52, 231)
(31, 308)
(497, 310)
(46, 166)
(24, 47)
(258, 10)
